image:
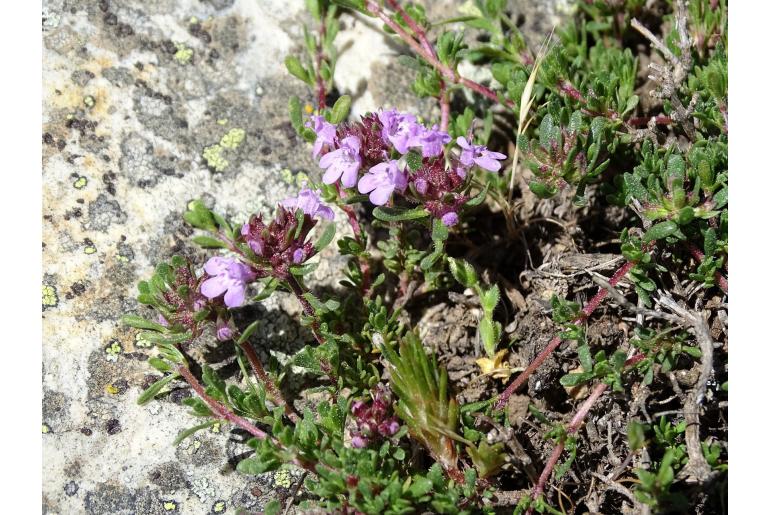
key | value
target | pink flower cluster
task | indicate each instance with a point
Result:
(275, 247)
(373, 420)
(376, 145)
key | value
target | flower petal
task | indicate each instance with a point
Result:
(381, 195)
(214, 287)
(235, 295)
(488, 163)
(217, 265)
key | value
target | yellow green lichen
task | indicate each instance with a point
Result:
(282, 478)
(80, 183)
(111, 389)
(233, 138)
(169, 505)
(216, 428)
(219, 507)
(50, 298)
(122, 259)
(89, 101)
(183, 53)
(222, 121)
(89, 249)
(301, 178)
(46, 429)
(113, 350)
(213, 157)
(141, 341)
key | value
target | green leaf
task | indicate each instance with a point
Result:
(295, 114)
(340, 110)
(463, 272)
(326, 237)
(399, 214)
(356, 5)
(294, 66)
(159, 364)
(660, 230)
(543, 191)
(207, 242)
(256, 466)
(191, 431)
(636, 437)
(273, 507)
(306, 358)
(414, 160)
(478, 199)
(490, 298)
(166, 338)
(155, 389)
(141, 323)
(248, 332)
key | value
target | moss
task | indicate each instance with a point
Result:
(233, 138)
(183, 53)
(214, 159)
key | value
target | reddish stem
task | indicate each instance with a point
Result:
(270, 386)
(219, 409)
(641, 121)
(358, 233)
(299, 292)
(556, 340)
(570, 90)
(444, 103)
(699, 256)
(574, 425)
(448, 74)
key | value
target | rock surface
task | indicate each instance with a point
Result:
(147, 106)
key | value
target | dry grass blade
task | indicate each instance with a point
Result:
(524, 106)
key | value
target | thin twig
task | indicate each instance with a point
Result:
(697, 468)
(574, 425)
(556, 340)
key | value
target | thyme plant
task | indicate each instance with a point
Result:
(385, 431)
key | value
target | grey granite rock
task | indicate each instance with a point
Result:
(137, 98)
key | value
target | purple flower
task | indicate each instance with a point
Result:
(401, 129)
(449, 219)
(227, 276)
(224, 331)
(162, 321)
(381, 180)
(255, 243)
(359, 442)
(479, 155)
(432, 141)
(388, 427)
(310, 203)
(298, 256)
(345, 162)
(325, 133)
